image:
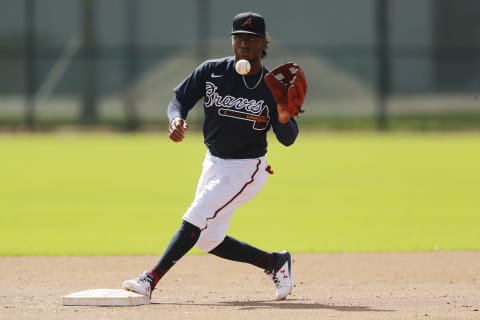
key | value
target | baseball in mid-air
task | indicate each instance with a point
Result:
(242, 67)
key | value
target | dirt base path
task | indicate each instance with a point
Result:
(436, 285)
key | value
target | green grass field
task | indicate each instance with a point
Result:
(106, 194)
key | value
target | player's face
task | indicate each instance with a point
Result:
(248, 46)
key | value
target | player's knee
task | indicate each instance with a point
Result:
(207, 245)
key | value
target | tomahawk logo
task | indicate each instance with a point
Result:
(248, 23)
(238, 108)
(259, 121)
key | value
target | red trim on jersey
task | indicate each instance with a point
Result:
(252, 178)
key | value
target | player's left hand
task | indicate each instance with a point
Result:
(177, 129)
(288, 85)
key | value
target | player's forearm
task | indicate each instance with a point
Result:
(175, 110)
(287, 133)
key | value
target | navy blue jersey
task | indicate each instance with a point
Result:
(237, 118)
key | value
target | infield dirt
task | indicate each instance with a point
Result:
(432, 285)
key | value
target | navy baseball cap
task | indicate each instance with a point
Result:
(249, 22)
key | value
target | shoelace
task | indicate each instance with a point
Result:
(275, 280)
(145, 278)
(273, 276)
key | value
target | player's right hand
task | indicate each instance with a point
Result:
(177, 129)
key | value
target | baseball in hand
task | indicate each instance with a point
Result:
(242, 67)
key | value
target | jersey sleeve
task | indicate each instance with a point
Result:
(176, 110)
(191, 89)
(286, 134)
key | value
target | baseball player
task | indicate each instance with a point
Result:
(239, 110)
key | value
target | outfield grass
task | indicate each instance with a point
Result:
(102, 194)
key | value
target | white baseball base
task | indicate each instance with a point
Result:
(105, 298)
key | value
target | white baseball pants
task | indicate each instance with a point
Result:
(224, 185)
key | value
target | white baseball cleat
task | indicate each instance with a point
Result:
(142, 284)
(281, 274)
